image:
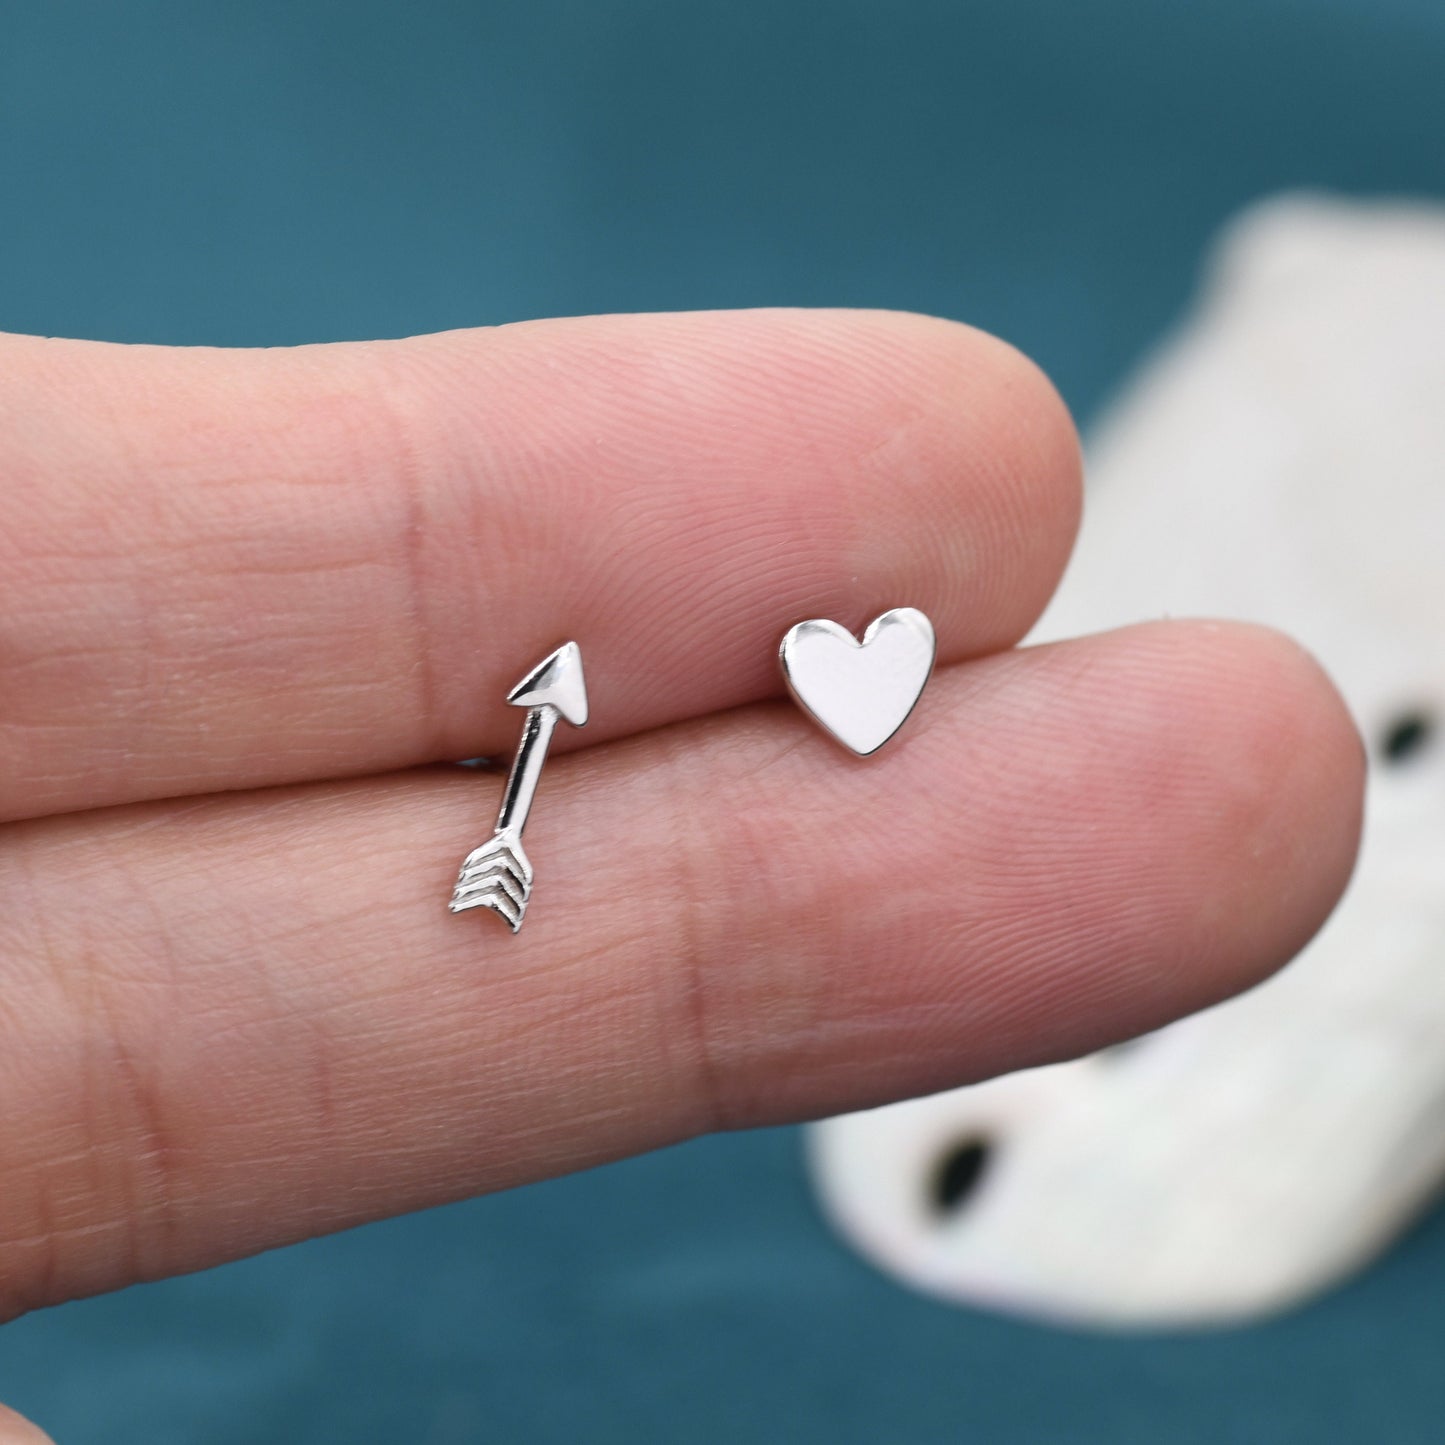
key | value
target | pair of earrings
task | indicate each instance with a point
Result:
(859, 692)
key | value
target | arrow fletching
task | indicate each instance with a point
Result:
(498, 876)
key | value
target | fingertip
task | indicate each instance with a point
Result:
(16, 1430)
(986, 444)
(1265, 742)
(1165, 814)
(861, 458)
(1300, 790)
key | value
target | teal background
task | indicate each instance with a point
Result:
(268, 172)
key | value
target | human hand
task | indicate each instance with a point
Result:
(245, 598)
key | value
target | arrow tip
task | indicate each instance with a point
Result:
(556, 681)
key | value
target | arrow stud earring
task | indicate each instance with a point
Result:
(498, 875)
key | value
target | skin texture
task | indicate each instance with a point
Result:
(231, 1019)
(15, 1431)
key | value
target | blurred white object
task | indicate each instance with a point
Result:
(1282, 460)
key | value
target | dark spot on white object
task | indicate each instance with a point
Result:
(958, 1174)
(1406, 736)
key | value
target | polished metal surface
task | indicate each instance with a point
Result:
(860, 693)
(498, 875)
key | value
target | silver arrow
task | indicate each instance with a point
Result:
(498, 875)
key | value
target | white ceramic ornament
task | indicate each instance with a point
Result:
(1283, 460)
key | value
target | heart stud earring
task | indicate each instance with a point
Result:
(498, 875)
(859, 692)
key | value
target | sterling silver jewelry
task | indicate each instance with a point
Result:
(859, 692)
(498, 875)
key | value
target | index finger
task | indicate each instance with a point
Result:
(227, 569)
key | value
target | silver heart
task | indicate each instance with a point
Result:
(860, 692)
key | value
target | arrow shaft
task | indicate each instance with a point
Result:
(537, 732)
